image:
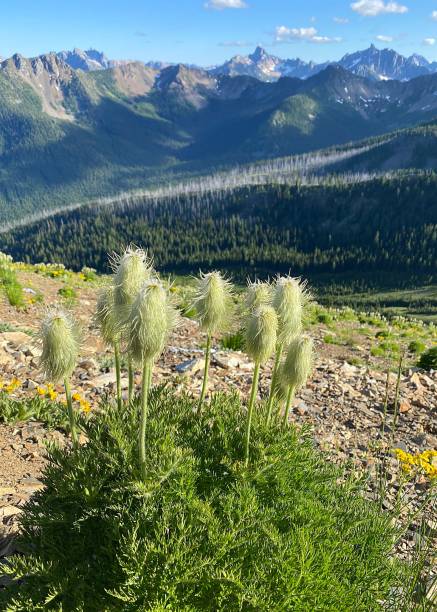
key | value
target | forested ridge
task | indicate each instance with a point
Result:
(384, 224)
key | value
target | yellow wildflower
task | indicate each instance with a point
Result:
(423, 462)
(76, 397)
(52, 394)
(85, 405)
(41, 391)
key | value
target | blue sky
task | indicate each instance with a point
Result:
(206, 32)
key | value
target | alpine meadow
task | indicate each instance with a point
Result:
(218, 306)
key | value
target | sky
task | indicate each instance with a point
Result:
(207, 32)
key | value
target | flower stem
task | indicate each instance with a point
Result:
(290, 397)
(205, 372)
(118, 373)
(144, 405)
(131, 380)
(273, 383)
(250, 410)
(71, 413)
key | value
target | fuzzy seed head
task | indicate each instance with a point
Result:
(152, 317)
(213, 302)
(59, 334)
(105, 316)
(258, 293)
(298, 363)
(261, 330)
(131, 270)
(290, 298)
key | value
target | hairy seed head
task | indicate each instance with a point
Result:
(59, 334)
(131, 269)
(105, 316)
(298, 362)
(290, 298)
(258, 293)
(151, 319)
(213, 302)
(261, 330)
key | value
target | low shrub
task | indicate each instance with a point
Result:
(428, 359)
(324, 317)
(15, 295)
(35, 408)
(11, 287)
(416, 346)
(202, 531)
(68, 293)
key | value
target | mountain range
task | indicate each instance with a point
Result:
(69, 134)
(373, 63)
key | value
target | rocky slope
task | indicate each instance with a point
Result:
(343, 403)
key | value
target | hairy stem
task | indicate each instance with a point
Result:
(71, 413)
(131, 380)
(273, 383)
(250, 410)
(205, 372)
(290, 397)
(145, 383)
(118, 373)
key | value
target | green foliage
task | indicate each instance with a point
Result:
(428, 359)
(324, 317)
(68, 293)
(331, 339)
(15, 295)
(233, 342)
(12, 288)
(416, 346)
(89, 274)
(202, 532)
(53, 414)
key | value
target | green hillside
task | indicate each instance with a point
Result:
(81, 136)
(365, 234)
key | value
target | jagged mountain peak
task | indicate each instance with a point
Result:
(373, 63)
(88, 60)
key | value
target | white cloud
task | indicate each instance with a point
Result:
(429, 42)
(434, 15)
(372, 8)
(384, 38)
(219, 5)
(284, 34)
(341, 20)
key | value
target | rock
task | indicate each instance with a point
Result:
(349, 390)
(31, 484)
(5, 358)
(227, 360)
(419, 440)
(348, 370)
(6, 491)
(88, 364)
(19, 356)
(190, 367)
(8, 511)
(16, 339)
(104, 380)
(31, 385)
(404, 406)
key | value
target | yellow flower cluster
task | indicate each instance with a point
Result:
(425, 462)
(11, 386)
(48, 392)
(84, 404)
